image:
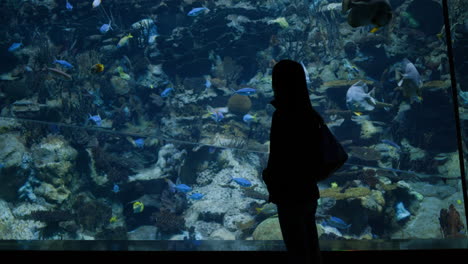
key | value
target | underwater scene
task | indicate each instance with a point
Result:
(150, 120)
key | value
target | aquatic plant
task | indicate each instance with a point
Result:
(239, 104)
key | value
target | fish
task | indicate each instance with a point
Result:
(440, 157)
(124, 40)
(97, 68)
(116, 188)
(375, 29)
(246, 91)
(138, 207)
(348, 65)
(60, 73)
(334, 185)
(358, 99)
(410, 81)
(96, 3)
(197, 11)
(8, 77)
(64, 63)
(68, 6)
(249, 118)
(113, 219)
(267, 209)
(336, 223)
(15, 46)
(242, 182)
(178, 187)
(166, 92)
(105, 28)
(139, 143)
(365, 12)
(96, 118)
(182, 188)
(217, 114)
(207, 82)
(196, 196)
(391, 143)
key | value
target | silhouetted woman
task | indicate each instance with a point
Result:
(292, 164)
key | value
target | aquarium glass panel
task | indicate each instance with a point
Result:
(458, 15)
(144, 125)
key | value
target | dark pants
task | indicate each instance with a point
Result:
(299, 231)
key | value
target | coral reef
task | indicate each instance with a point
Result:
(170, 159)
(450, 223)
(168, 222)
(364, 153)
(239, 104)
(336, 193)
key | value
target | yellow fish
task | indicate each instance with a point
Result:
(113, 219)
(123, 41)
(459, 201)
(358, 113)
(97, 68)
(334, 185)
(374, 30)
(138, 207)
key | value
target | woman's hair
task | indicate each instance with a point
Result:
(290, 87)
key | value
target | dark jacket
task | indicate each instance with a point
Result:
(294, 159)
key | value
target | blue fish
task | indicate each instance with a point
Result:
(217, 116)
(104, 28)
(182, 188)
(207, 84)
(248, 118)
(69, 6)
(211, 150)
(166, 92)
(116, 188)
(64, 63)
(96, 118)
(197, 11)
(242, 182)
(337, 223)
(196, 196)
(246, 91)
(391, 143)
(15, 46)
(139, 143)
(2, 165)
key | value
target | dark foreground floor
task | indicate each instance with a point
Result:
(453, 256)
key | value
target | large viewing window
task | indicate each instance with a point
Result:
(144, 125)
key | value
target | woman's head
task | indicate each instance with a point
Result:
(289, 85)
